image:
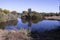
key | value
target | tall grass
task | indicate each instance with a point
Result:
(14, 35)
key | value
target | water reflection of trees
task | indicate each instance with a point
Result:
(3, 24)
(35, 17)
(13, 22)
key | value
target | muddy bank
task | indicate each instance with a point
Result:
(47, 35)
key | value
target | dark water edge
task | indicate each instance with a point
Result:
(47, 35)
(4, 24)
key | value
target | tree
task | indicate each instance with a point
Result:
(3, 17)
(14, 12)
(33, 11)
(24, 12)
(6, 11)
(0, 9)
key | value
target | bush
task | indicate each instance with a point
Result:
(14, 35)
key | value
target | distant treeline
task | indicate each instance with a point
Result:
(33, 12)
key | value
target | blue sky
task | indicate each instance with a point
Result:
(37, 5)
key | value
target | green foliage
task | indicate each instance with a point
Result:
(25, 12)
(38, 16)
(14, 12)
(2, 24)
(2, 17)
(6, 11)
(0, 9)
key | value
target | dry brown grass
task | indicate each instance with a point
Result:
(14, 35)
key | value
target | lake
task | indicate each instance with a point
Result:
(39, 26)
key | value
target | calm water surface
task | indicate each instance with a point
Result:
(40, 26)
